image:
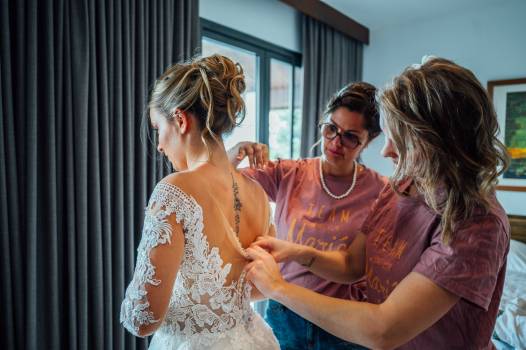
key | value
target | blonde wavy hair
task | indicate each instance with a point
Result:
(445, 129)
(210, 88)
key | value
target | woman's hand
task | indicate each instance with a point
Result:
(263, 272)
(257, 153)
(283, 250)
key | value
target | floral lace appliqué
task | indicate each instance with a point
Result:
(201, 307)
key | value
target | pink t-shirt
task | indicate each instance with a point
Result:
(404, 235)
(305, 214)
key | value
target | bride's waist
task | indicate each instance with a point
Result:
(200, 319)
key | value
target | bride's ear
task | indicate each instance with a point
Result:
(183, 121)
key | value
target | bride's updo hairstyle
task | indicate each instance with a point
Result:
(210, 88)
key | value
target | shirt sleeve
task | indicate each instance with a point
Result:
(470, 264)
(166, 208)
(375, 211)
(270, 176)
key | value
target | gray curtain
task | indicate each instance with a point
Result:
(75, 172)
(330, 61)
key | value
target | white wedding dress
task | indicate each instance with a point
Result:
(208, 308)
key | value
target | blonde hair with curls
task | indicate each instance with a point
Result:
(445, 129)
(210, 88)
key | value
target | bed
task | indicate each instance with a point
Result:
(510, 328)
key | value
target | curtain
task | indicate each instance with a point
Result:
(330, 60)
(76, 166)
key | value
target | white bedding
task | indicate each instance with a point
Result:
(517, 257)
(510, 327)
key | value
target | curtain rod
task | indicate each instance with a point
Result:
(331, 17)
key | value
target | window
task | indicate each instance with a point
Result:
(274, 87)
(248, 60)
(285, 110)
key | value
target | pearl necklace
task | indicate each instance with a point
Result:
(326, 189)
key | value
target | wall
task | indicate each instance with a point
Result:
(491, 41)
(269, 20)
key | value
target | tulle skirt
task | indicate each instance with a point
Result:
(254, 335)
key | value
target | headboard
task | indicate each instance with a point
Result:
(518, 227)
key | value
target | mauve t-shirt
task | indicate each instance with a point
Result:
(404, 235)
(305, 214)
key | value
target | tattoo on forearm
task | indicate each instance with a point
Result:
(311, 261)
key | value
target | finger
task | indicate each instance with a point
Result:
(262, 240)
(262, 254)
(248, 266)
(249, 275)
(266, 238)
(250, 153)
(241, 154)
(255, 253)
(259, 155)
(250, 253)
(265, 155)
(256, 150)
(251, 271)
(277, 257)
(268, 255)
(263, 243)
(261, 160)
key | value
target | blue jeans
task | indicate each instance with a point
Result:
(294, 332)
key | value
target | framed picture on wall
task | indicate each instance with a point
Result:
(509, 99)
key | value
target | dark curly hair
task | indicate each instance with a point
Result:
(358, 97)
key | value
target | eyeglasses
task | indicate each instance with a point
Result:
(347, 138)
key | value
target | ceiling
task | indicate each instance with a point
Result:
(376, 14)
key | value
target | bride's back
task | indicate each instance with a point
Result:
(210, 296)
(213, 190)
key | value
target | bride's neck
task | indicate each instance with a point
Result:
(214, 154)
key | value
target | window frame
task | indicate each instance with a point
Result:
(264, 51)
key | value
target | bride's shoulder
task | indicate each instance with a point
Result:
(181, 182)
(194, 182)
(179, 178)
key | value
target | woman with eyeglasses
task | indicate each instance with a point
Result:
(433, 247)
(320, 202)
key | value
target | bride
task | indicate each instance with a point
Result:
(189, 287)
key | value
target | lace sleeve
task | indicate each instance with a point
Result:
(165, 200)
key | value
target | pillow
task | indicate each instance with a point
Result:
(516, 257)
